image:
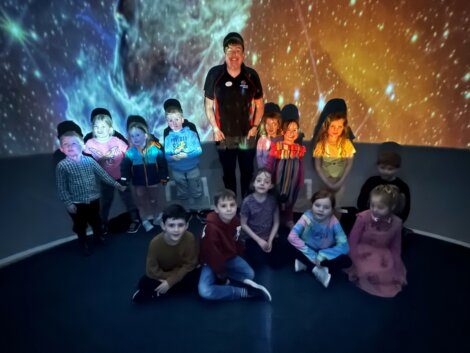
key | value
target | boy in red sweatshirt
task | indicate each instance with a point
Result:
(220, 255)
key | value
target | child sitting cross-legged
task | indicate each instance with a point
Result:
(220, 255)
(171, 255)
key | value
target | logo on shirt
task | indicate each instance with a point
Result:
(229, 83)
(243, 84)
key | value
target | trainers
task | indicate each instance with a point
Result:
(139, 297)
(133, 227)
(147, 225)
(322, 275)
(299, 266)
(255, 290)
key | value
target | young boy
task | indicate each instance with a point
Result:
(182, 151)
(77, 178)
(220, 255)
(388, 165)
(171, 255)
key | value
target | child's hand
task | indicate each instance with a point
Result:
(316, 262)
(71, 209)
(162, 288)
(182, 155)
(269, 246)
(163, 181)
(122, 188)
(263, 244)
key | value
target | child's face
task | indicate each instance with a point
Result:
(387, 172)
(262, 183)
(336, 128)
(174, 229)
(291, 134)
(322, 209)
(138, 137)
(379, 208)
(272, 126)
(226, 209)
(175, 121)
(101, 130)
(71, 146)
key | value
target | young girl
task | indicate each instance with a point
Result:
(375, 242)
(108, 151)
(334, 152)
(259, 214)
(145, 165)
(286, 165)
(270, 133)
(319, 237)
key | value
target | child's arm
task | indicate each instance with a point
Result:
(194, 146)
(356, 234)
(406, 210)
(162, 165)
(298, 243)
(105, 177)
(262, 151)
(341, 247)
(395, 245)
(64, 196)
(153, 269)
(210, 250)
(274, 229)
(321, 173)
(263, 244)
(347, 169)
(364, 195)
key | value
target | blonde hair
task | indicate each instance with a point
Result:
(140, 126)
(324, 133)
(105, 118)
(390, 195)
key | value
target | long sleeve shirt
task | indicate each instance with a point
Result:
(77, 181)
(171, 262)
(108, 154)
(185, 141)
(318, 241)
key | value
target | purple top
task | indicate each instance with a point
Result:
(260, 215)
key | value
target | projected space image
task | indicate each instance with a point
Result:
(402, 67)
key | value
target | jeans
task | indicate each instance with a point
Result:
(188, 184)
(236, 269)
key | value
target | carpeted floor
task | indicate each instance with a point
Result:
(60, 301)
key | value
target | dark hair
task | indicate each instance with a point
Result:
(390, 194)
(233, 38)
(286, 124)
(389, 158)
(324, 194)
(258, 172)
(274, 116)
(224, 194)
(175, 211)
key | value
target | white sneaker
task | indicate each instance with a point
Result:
(322, 275)
(299, 266)
(147, 225)
(256, 290)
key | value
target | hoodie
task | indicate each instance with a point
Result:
(220, 242)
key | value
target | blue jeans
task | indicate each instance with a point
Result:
(236, 269)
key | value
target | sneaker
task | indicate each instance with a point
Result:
(139, 297)
(147, 225)
(322, 275)
(299, 266)
(255, 290)
(133, 227)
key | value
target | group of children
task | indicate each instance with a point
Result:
(373, 244)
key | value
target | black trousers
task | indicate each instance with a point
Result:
(87, 214)
(228, 158)
(189, 283)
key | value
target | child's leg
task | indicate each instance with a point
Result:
(209, 290)
(79, 223)
(142, 202)
(93, 217)
(238, 269)
(182, 190)
(126, 197)
(194, 182)
(107, 196)
(147, 285)
(154, 192)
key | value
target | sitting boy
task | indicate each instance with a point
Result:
(220, 255)
(172, 254)
(182, 151)
(79, 189)
(388, 165)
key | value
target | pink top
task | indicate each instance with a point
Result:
(109, 154)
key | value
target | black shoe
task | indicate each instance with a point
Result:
(255, 290)
(140, 297)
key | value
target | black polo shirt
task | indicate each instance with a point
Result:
(233, 98)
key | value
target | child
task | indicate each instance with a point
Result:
(319, 237)
(145, 164)
(375, 242)
(287, 168)
(259, 212)
(291, 112)
(220, 255)
(270, 133)
(333, 106)
(388, 165)
(108, 150)
(77, 183)
(334, 152)
(62, 128)
(182, 151)
(102, 111)
(171, 255)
